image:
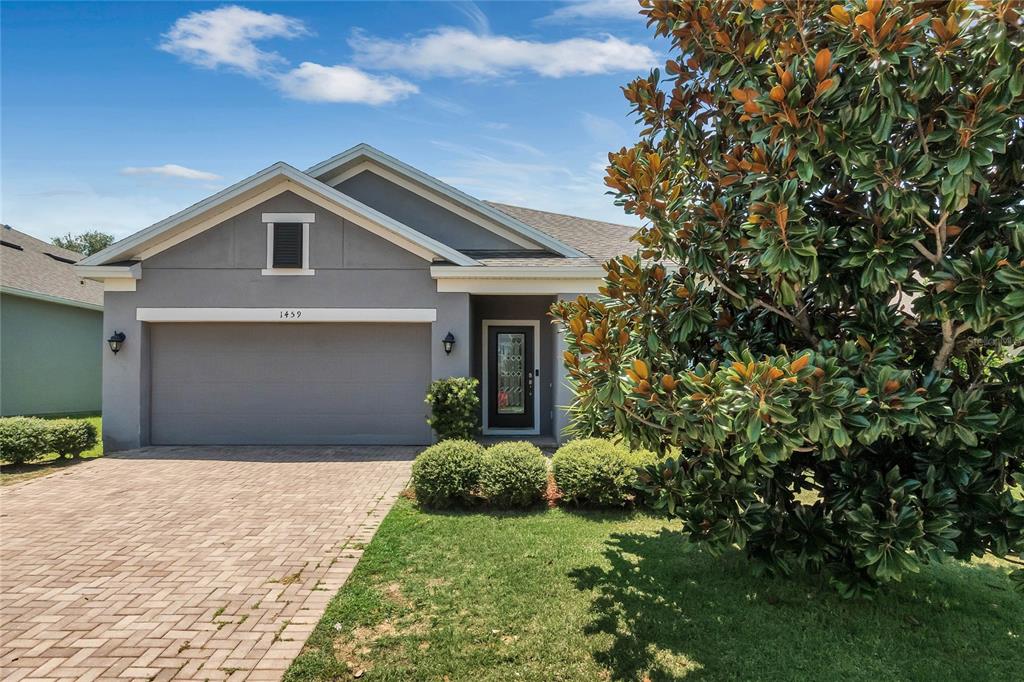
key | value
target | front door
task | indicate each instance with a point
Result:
(510, 377)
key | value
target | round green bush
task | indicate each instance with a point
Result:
(514, 474)
(447, 473)
(454, 408)
(598, 472)
(70, 436)
(23, 439)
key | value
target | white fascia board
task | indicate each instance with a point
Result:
(518, 287)
(117, 250)
(104, 272)
(145, 240)
(287, 315)
(47, 298)
(326, 168)
(509, 272)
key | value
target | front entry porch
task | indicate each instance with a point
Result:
(515, 357)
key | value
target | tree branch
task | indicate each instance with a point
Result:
(925, 252)
(949, 337)
(804, 328)
(646, 422)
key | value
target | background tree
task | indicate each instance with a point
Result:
(822, 311)
(86, 243)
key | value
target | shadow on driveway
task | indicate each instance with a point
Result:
(274, 453)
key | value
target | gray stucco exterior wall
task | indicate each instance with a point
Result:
(50, 357)
(221, 268)
(421, 214)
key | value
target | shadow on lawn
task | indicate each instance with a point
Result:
(16, 473)
(667, 611)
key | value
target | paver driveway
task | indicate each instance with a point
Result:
(184, 563)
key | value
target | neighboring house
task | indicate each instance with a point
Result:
(51, 330)
(310, 307)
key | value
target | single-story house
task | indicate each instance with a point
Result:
(51, 322)
(313, 307)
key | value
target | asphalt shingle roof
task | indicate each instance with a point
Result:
(33, 268)
(598, 239)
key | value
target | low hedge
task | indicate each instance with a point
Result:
(70, 436)
(514, 474)
(595, 471)
(448, 473)
(23, 439)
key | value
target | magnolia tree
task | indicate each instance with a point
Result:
(821, 322)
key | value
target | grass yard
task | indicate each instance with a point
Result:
(48, 464)
(560, 595)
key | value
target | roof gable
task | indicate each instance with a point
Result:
(265, 184)
(364, 157)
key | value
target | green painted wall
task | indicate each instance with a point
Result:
(51, 357)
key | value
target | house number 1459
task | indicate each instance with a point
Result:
(291, 314)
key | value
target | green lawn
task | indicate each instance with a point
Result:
(559, 595)
(48, 464)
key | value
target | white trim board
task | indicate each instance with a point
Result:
(102, 272)
(485, 353)
(271, 226)
(516, 287)
(288, 218)
(286, 314)
(518, 272)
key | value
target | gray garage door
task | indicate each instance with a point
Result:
(289, 384)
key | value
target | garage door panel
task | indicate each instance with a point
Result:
(283, 365)
(265, 398)
(289, 383)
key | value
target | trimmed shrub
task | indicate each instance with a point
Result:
(454, 408)
(597, 471)
(447, 473)
(23, 439)
(514, 474)
(70, 436)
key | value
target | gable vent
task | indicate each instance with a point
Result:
(287, 245)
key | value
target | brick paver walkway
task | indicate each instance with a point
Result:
(183, 563)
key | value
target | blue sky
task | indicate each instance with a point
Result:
(116, 115)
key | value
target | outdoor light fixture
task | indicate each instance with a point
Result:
(115, 341)
(448, 342)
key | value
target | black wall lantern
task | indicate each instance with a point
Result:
(448, 342)
(115, 341)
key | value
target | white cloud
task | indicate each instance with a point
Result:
(606, 131)
(313, 82)
(476, 16)
(79, 207)
(572, 185)
(170, 170)
(595, 9)
(458, 52)
(226, 37)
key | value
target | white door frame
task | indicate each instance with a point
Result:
(486, 352)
